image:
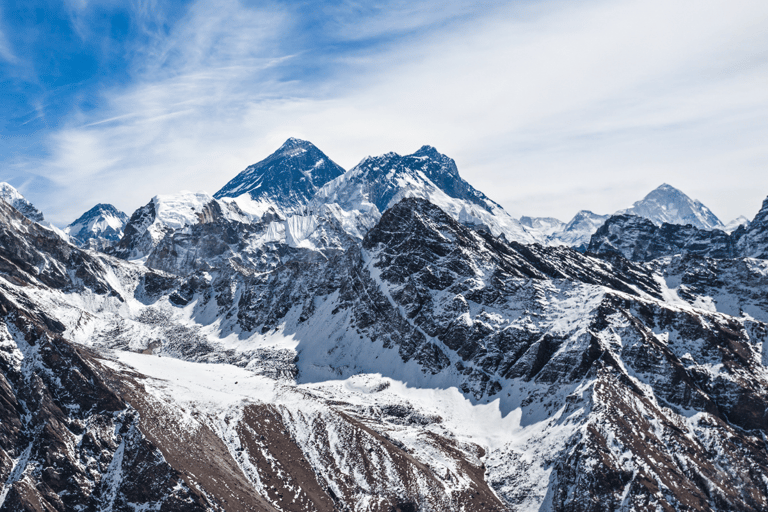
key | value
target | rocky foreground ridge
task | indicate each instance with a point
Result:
(397, 351)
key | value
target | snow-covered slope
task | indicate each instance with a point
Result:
(542, 227)
(13, 197)
(735, 223)
(670, 205)
(434, 367)
(99, 227)
(431, 367)
(377, 183)
(166, 214)
(665, 204)
(285, 180)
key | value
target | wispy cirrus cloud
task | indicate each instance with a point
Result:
(6, 53)
(549, 107)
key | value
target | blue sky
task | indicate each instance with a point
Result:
(549, 107)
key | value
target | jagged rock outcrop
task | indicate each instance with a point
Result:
(69, 442)
(262, 362)
(752, 239)
(639, 239)
(379, 182)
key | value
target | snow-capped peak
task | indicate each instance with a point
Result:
(288, 178)
(378, 182)
(735, 223)
(13, 197)
(172, 212)
(103, 222)
(670, 205)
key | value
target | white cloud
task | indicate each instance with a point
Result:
(6, 52)
(547, 107)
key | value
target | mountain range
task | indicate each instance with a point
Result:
(386, 338)
(663, 205)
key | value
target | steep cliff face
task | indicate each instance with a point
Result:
(113, 430)
(600, 366)
(287, 179)
(14, 198)
(752, 239)
(68, 441)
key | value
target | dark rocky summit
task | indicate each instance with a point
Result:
(290, 176)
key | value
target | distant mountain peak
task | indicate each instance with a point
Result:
(667, 204)
(288, 178)
(427, 150)
(379, 182)
(293, 143)
(735, 223)
(100, 226)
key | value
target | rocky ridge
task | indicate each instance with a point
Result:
(12, 196)
(421, 362)
(639, 239)
(377, 183)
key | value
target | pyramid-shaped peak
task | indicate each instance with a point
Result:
(100, 210)
(586, 213)
(429, 151)
(105, 208)
(288, 178)
(9, 193)
(666, 189)
(294, 143)
(667, 204)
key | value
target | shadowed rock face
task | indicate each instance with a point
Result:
(752, 240)
(290, 176)
(639, 239)
(67, 441)
(631, 383)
